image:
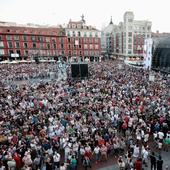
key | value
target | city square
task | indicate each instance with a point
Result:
(77, 96)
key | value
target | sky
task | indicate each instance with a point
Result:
(97, 12)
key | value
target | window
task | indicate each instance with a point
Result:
(1, 44)
(85, 40)
(25, 45)
(85, 46)
(1, 52)
(96, 40)
(17, 44)
(53, 40)
(9, 37)
(11, 52)
(16, 37)
(96, 35)
(69, 53)
(130, 34)
(69, 40)
(130, 27)
(79, 34)
(130, 40)
(33, 38)
(80, 40)
(96, 47)
(74, 34)
(61, 40)
(41, 45)
(130, 20)
(90, 40)
(47, 39)
(86, 53)
(18, 52)
(68, 34)
(85, 35)
(34, 45)
(40, 39)
(26, 52)
(25, 38)
(90, 34)
(48, 45)
(62, 46)
(129, 46)
(0, 38)
(91, 46)
(79, 46)
(54, 46)
(149, 28)
(9, 44)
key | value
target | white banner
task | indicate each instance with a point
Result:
(15, 55)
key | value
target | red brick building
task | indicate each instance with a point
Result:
(28, 42)
(83, 41)
(31, 41)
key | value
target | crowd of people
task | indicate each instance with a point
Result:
(115, 113)
(21, 71)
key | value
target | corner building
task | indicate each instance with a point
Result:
(29, 41)
(83, 41)
(128, 36)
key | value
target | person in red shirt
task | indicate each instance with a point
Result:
(138, 164)
(18, 160)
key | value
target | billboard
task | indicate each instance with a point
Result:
(148, 53)
(14, 55)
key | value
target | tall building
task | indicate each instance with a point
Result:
(107, 40)
(129, 35)
(29, 41)
(83, 40)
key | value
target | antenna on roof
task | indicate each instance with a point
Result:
(111, 22)
(82, 19)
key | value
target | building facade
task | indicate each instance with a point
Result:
(31, 41)
(107, 40)
(84, 41)
(129, 35)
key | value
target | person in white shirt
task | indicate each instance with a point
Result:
(82, 152)
(136, 151)
(63, 166)
(160, 135)
(145, 155)
(66, 152)
(146, 137)
(56, 159)
(96, 152)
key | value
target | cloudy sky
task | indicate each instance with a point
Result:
(97, 12)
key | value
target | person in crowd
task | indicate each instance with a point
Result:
(121, 163)
(86, 163)
(138, 164)
(153, 161)
(159, 163)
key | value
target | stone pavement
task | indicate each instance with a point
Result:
(165, 157)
